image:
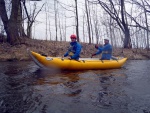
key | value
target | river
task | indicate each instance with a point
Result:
(25, 88)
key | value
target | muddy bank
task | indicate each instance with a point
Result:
(53, 48)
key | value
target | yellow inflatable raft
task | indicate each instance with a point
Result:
(81, 64)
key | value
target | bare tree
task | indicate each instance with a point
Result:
(121, 21)
(96, 23)
(77, 23)
(20, 22)
(56, 11)
(31, 18)
(10, 24)
(13, 23)
(88, 21)
(145, 6)
(146, 22)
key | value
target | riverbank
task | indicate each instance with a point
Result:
(55, 49)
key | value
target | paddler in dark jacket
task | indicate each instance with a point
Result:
(106, 50)
(74, 49)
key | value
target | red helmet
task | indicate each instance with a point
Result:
(73, 36)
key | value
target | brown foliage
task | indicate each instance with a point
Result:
(57, 49)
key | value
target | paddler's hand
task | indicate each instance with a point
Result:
(69, 58)
(62, 58)
(92, 55)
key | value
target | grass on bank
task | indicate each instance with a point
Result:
(53, 48)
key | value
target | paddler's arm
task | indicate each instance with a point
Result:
(66, 54)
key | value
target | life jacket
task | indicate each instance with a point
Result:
(71, 52)
(107, 51)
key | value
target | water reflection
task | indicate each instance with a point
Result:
(67, 80)
(13, 91)
(104, 92)
(42, 87)
(25, 88)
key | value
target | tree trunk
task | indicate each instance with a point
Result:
(77, 23)
(127, 41)
(29, 29)
(13, 22)
(147, 26)
(4, 17)
(87, 14)
(10, 25)
(20, 22)
(55, 19)
(84, 29)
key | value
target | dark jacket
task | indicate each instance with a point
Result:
(75, 48)
(106, 51)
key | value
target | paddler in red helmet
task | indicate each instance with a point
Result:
(74, 49)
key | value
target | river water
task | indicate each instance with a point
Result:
(25, 88)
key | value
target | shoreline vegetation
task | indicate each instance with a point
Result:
(57, 49)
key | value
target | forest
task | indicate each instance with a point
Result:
(124, 22)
